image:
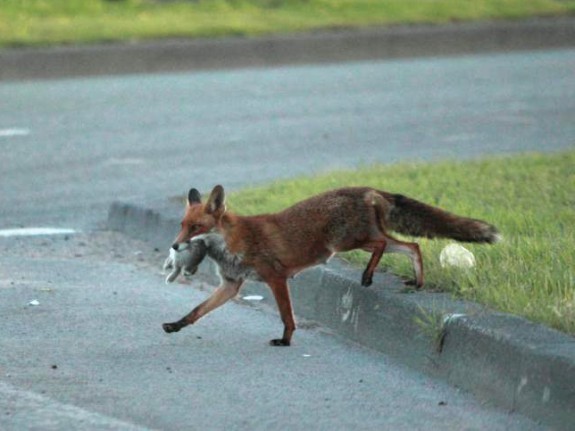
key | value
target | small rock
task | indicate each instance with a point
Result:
(456, 255)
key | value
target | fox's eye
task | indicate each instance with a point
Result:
(196, 227)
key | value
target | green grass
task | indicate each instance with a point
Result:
(34, 22)
(530, 198)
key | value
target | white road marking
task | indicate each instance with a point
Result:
(7, 133)
(35, 231)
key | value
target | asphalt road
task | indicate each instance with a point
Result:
(92, 352)
(69, 147)
(92, 355)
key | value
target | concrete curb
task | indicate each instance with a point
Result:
(502, 359)
(314, 47)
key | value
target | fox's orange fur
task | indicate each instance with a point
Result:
(280, 245)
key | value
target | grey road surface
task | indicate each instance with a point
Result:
(69, 147)
(92, 355)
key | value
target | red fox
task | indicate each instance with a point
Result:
(278, 246)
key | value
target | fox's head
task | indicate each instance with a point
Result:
(200, 217)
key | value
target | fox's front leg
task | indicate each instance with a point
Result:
(226, 291)
(280, 290)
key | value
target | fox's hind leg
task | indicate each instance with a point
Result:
(377, 252)
(382, 242)
(388, 244)
(410, 249)
(378, 243)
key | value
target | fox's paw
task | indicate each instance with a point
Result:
(413, 283)
(366, 279)
(279, 342)
(171, 327)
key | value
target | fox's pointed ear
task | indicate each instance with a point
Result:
(217, 201)
(194, 197)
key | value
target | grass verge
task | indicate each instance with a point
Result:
(35, 22)
(530, 198)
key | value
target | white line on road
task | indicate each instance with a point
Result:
(35, 231)
(7, 133)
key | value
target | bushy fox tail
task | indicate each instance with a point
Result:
(410, 217)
